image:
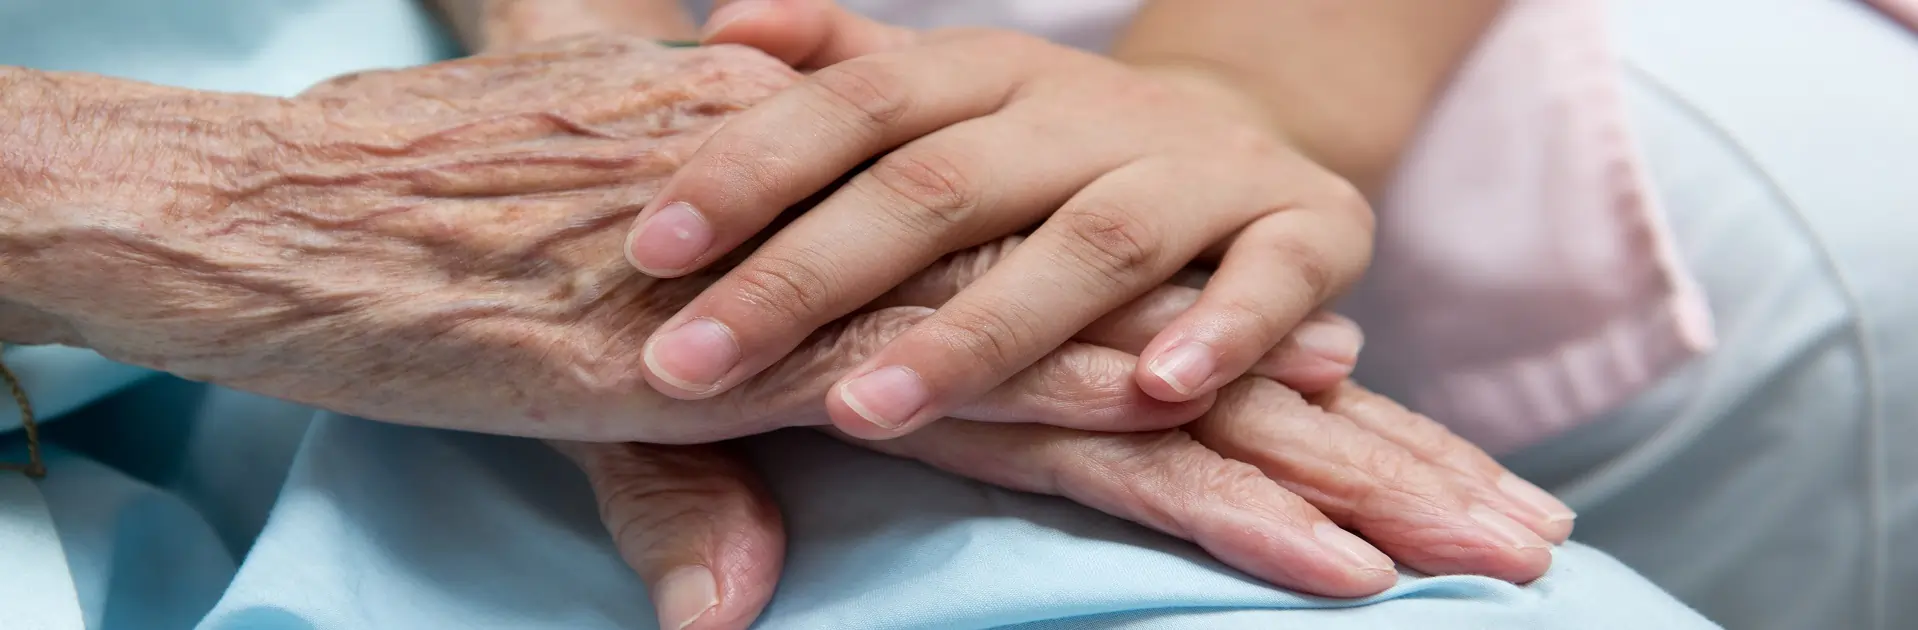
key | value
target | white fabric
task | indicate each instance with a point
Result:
(35, 568)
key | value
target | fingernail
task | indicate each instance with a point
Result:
(1354, 550)
(887, 397)
(1338, 342)
(670, 240)
(1508, 531)
(730, 13)
(1186, 366)
(684, 595)
(1522, 491)
(695, 355)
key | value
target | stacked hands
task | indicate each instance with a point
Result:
(587, 239)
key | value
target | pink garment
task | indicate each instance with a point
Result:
(1525, 279)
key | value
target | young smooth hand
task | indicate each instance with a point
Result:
(923, 144)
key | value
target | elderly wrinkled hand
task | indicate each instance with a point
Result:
(1267, 482)
(441, 246)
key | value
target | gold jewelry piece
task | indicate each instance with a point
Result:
(35, 467)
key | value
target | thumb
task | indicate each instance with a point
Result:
(806, 34)
(696, 525)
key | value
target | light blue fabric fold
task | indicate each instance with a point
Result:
(58, 380)
(428, 529)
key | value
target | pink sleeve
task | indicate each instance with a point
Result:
(1525, 279)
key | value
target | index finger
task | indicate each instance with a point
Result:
(800, 141)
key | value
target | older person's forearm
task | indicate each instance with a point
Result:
(487, 24)
(1346, 80)
(81, 152)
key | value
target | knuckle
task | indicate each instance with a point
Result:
(598, 361)
(838, 347)
(1431, 439)
(1148, 457)
(1137, 467)
(983, 258)
(1308, 265)
(868, 333)
(869, 91)
(1164, 450)
(1082, 382)
(619, 379)
(1110, 240)
(936, 188)
(955, 272)
(1243, 394)
(656, 491)
(1394, 482)
(992, 337)
(796, 381)
(1245, 313)
(1171, 452)
(1438, 445)
(748, 168)
(663, 515)
(795, 288)
(1163, 475)
(1212, 473)
(1080, 373)
(1237, 482)
(643, 495)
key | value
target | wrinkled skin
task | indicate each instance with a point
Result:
(436, 246)
(956, 136)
